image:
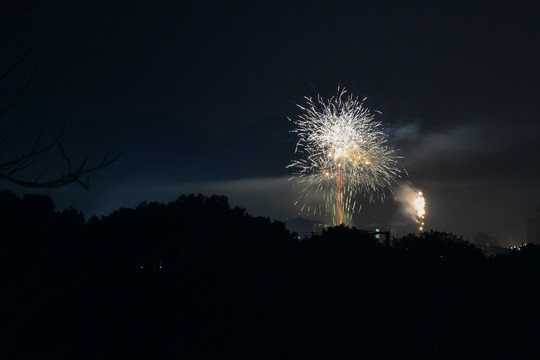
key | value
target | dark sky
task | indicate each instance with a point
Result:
(197, 96)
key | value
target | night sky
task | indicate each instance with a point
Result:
(197, 98)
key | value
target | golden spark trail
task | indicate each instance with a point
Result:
(340, 183)
(420, 206)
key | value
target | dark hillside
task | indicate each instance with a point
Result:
(198, 279)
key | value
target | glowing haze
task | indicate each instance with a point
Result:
(413, 203)
(343, 154)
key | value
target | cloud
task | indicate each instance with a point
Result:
(408, 132)
(447, 142)
(453, 141)
(455, 153)
(465, 151)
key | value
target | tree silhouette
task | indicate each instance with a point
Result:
(437, 246)
(214, 274)
(11, 168)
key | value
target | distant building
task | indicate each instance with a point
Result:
(379, 231)
(533, 228)
(304, 227)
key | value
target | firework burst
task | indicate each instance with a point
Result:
(342, 154)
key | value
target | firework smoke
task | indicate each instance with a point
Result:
(343, 154)
(413, 203)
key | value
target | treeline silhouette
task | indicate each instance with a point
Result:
(198, 279)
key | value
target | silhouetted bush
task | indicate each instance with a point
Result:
(434, 246)
(197, 278)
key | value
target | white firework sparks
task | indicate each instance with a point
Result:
(344, 154)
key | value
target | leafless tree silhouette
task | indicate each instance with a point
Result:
(10, 169)
(14, 314)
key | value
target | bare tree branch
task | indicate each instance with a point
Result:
(27, 158)
(20, 12)
(9, 169)
(19, 96)
(15, 66)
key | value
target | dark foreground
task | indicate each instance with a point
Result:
(195, 279)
